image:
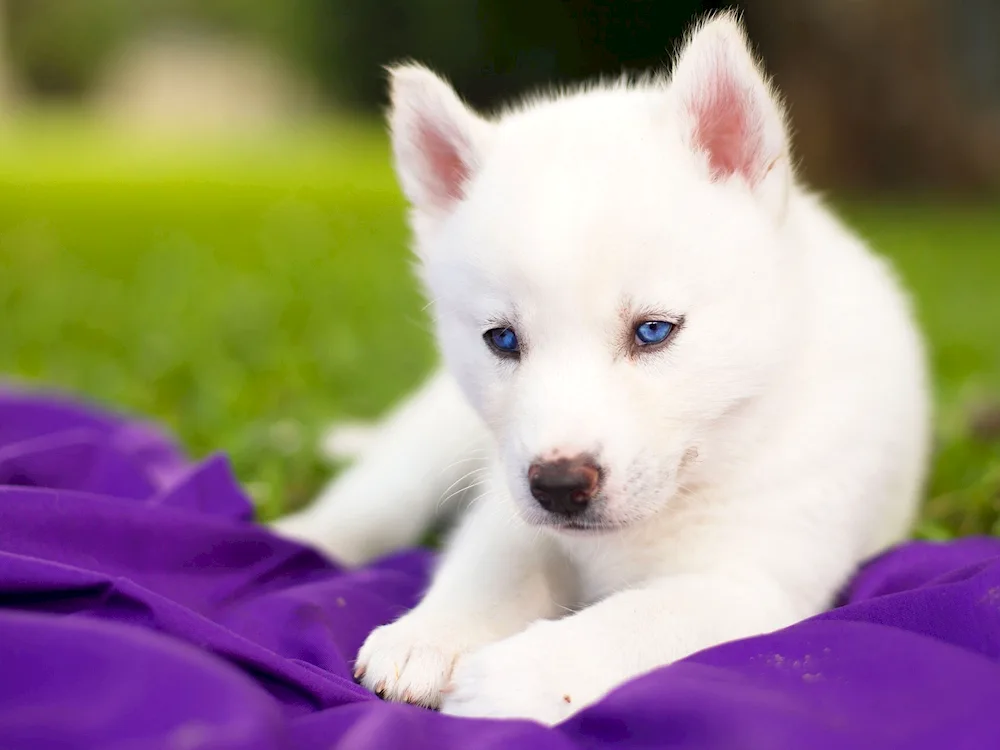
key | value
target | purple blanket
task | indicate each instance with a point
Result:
(142, 608)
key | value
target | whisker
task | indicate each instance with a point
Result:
(460, 490)
(472, 486)
(446, 493)
(465, 460)
(467, 475)
(564, 608)
(480, 496)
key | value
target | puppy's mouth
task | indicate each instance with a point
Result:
(579, 526)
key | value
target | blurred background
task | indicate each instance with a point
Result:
(199, 222)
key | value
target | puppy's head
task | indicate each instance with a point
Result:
(605, 269)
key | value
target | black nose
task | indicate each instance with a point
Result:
(566, 485)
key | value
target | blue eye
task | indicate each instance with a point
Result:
(652, 332)
(503, 340)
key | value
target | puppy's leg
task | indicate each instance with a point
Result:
(496, 577)
(350, 441)
(761, 565)
(553, 668)
(431, 446)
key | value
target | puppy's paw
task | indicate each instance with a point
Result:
(537, 674)
(318, 533)
(411, 660)
(297, 527)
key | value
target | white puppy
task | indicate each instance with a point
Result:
(687, 400)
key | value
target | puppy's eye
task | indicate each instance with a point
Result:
(503, 341)
(653, 332)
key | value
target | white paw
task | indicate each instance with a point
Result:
(296, 527)
(411, 660)
(305, 528)
(537, 674)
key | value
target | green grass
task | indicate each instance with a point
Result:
(246, 293)
(243, 293)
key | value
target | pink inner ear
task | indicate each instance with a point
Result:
(727, 129)
(447, 171)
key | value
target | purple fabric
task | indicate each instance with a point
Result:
(140, 607)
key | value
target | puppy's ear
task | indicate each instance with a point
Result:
(728, 113)
(437, 141)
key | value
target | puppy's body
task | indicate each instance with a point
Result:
(746, 464)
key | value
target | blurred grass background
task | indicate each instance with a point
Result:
(244, 293)
(248, 292)
(199, 222)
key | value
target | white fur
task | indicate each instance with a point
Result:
(779, 439)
